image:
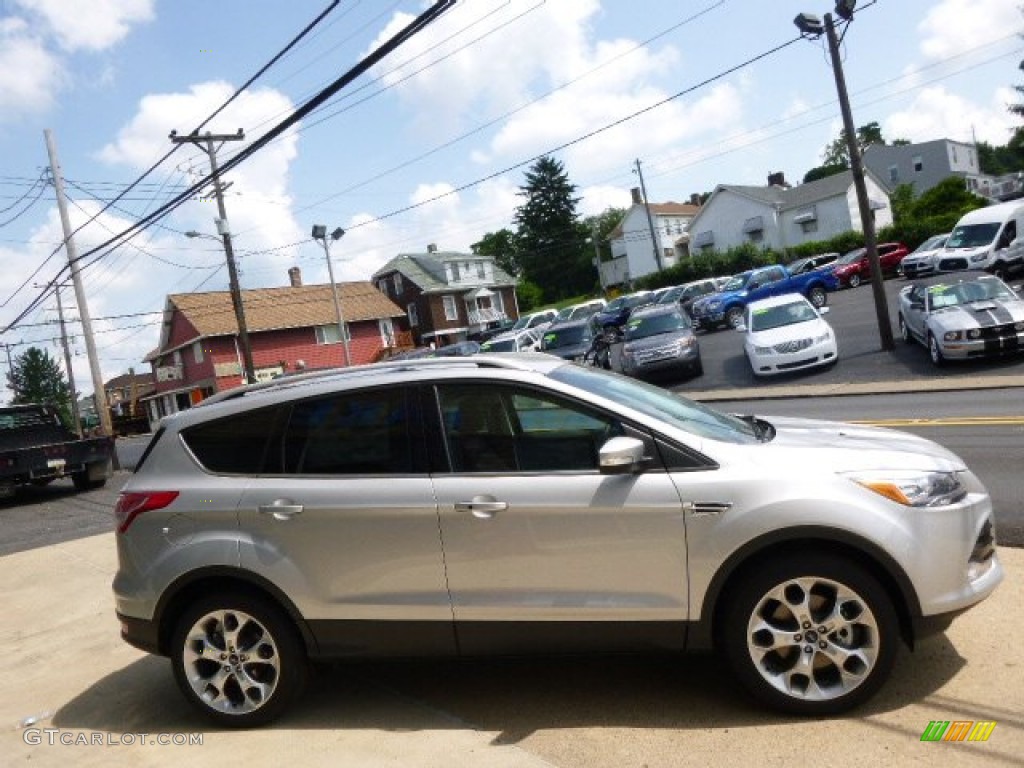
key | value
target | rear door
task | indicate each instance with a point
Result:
(542, 550)
(344, 522)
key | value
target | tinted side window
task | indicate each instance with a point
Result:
(235, 444)
(355, 433)
(506, 429)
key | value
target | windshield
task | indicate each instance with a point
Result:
(658, 403)
(736, 283)
(566, 337)
(797, 266)
(521, 323)
(931, 244)
(985, 289)
(671, 295)
(564, 314)
(972, 235)
(766, 318)
(614, 304)
(499, 345)
(651, 325)
(852, 257)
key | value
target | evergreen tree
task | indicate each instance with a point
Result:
(36, 377)
(551, 242)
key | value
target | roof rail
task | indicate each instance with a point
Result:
(504, 360)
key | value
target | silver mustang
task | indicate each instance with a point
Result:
(962, 315)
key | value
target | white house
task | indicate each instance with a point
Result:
(779, 216)
(632, 253)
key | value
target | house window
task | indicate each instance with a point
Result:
(451, 311)
(455, 273)
(952, 152)
(328, 334)
(497, 302)
(918, 164)
(756, 236)
(894, 174)
(382, 286)
(177, 358)
(414, 318)
(398, 283)
(480, 270)
(387, 331)
(197, 352)
(809, 226)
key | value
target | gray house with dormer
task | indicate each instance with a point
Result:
(448, 296)
(779, 216)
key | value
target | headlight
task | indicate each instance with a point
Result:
(714, 304)
(913, 488)
(824, 337)
(979, 256)
(1018, 326)
(953, 335)
(974, 333)
(762, 350)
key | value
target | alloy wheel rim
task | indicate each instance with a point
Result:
(231, 662)
(813, 639)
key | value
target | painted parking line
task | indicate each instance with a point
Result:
(948, 421)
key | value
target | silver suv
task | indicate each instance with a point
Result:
(508, 504)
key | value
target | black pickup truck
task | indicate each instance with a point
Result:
(36, 448)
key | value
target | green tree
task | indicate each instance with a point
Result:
(902, 201)
(502, 246)
(551, 244)
(837, 152)
(602, 225)
(822, 171)
(35, 377)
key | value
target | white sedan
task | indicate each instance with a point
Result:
(786, 333)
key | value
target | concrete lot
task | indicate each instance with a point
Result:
(65, 668)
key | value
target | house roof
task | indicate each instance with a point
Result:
(426, 270)
(124, 381)
(268, 309)
(658, 209)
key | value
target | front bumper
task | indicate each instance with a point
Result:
(686, 359)
(991, 344)
(771, 364)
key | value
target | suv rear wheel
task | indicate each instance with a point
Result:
(237, 659)
(813, 635)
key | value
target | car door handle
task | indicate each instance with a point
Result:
(483, 507)
(281, 509)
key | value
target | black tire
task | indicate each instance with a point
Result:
(733, 316)
(904, 330)
(818, 296)
(82, 481)
(1000, 270)
(698, 368)
(843, 598)
(267, 651)
(934, 352)
(855, 279)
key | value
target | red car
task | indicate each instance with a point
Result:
(852, 268)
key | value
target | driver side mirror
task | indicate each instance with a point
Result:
(622, 456)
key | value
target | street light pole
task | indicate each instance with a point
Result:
(320, 233)
(811, 26)
(867, 218)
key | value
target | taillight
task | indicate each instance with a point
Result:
(131, 505)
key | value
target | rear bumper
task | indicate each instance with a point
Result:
(140, 633)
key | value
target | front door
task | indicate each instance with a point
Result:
(542, 551)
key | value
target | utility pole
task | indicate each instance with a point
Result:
(650, 221)
(10, 368)
(67, 362)
(225, 232)
(857, 168)
(99, 394)
(597, 258)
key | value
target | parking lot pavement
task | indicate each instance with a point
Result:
(74, 694)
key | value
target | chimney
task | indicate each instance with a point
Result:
(635, 192)
(295, 277)
(432, 248)
(777, 179)
(695, 199)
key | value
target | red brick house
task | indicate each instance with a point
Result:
(448, 296)
(289, 328)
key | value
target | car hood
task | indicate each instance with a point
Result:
(657, 340)
(570, 351)
(850, 447)
(913, 258)
(719, 296)
(980, 314)
(794, 332)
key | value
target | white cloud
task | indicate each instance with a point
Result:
(29, 74)
(94, 25)
(955, 26)
(258, 202)
(936, 113)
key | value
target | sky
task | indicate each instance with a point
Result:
(432, 144)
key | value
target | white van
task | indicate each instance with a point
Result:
(987, 239)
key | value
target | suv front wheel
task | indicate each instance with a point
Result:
(813, 635)
(237, 659)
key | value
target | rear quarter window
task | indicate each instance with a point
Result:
(233, 444)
